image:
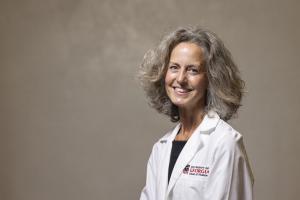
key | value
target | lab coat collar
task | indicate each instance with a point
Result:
(209, 123)
(193, 145)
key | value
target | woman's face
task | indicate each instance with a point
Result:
(186, 81)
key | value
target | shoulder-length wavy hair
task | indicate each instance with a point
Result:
(225, 88)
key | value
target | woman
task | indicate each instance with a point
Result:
(192, 78)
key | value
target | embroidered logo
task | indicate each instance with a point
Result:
(196, 170)
(186, 169)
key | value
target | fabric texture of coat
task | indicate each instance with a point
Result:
(213, 165)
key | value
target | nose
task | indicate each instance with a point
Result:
(181, 77)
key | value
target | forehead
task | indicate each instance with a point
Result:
(187, 51)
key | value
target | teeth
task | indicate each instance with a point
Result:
(181, 90)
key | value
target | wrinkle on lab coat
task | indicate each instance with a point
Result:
(213, 165)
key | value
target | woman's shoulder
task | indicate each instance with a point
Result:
(161, 144)
(170, 135)
(166, 138)
(226, 136)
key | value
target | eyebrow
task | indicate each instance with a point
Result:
(189, 65)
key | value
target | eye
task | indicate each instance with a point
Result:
(193, 70)
(173, 67)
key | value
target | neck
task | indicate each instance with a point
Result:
(190, 120)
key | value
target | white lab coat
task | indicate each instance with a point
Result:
(213, 165)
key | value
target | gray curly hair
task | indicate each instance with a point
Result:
(225, 89)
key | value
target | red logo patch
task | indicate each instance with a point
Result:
(196, 170)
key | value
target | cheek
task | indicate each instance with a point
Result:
(168, 79)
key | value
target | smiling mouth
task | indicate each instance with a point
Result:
(181, 91)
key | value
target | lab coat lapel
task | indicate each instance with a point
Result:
(192, 146)
(166, 160)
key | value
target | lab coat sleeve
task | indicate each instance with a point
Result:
(149, 190)
(230, 175)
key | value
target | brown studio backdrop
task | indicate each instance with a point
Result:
(74, 122)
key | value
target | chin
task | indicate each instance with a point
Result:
(186, 104)
(180, 104)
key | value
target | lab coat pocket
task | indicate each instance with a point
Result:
(192, 187)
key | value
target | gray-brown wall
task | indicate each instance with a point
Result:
(75, 124)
